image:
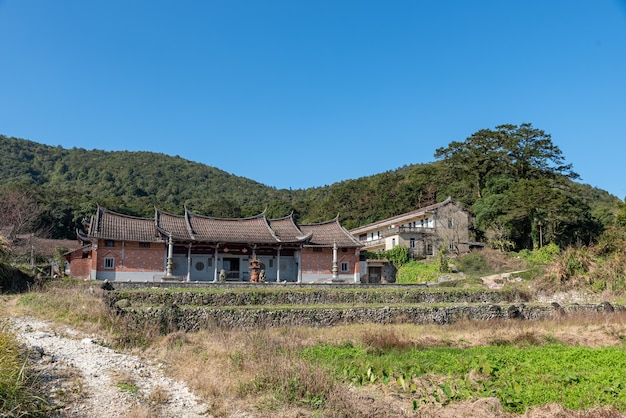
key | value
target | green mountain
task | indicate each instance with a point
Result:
(68, 183)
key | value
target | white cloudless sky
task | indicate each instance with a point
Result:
(298, 94)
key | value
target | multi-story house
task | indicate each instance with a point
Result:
(423, 231)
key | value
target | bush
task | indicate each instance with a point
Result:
(14, 280)
(415, 272)
(572, 267)
(473, 263)
(544, 255)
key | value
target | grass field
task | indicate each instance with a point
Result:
(516, 367)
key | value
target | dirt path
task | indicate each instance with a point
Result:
(89, 380)
(497, 281)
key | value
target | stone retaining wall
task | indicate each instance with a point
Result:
(190, 319)
(312, 296)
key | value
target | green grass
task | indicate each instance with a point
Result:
(128, 387)
(416, 272)
(17, 385)
(519, 376)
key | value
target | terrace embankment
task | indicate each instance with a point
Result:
(228, 306)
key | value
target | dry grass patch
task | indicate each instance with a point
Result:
(158, 396)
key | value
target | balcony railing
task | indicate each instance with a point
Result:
(373, 242)
(409, 230)
(396, 231)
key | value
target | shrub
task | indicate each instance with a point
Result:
(5, 248)
(442, 261)
(472, 263)
(397, 256)
(543, 255)
(415, 272)
(571, 266)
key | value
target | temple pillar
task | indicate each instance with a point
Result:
(170, 257)
(299, 267)
(215, 273)
(189, 262)
(278, 265)
(335, 269)
(357, 267)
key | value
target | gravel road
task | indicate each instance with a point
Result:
(87, 379)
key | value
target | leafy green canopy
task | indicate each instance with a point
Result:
(520, 189)
(484, 173)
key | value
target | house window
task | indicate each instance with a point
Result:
(345, 266)
(412, 243)
(109, 243)
(451, 246)
(210, 262)
(429, 249)
(271, 263)
(344, 250)
(109, 263)
(144, 245)
(317, 250)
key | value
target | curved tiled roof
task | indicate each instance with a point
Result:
(111, 225)
(175, 225)
(258, 229)
(327, 233)
(254, 230)
(287, 230)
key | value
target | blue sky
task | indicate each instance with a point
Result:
(298, 94)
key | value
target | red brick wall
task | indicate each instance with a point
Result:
(322, 262)
(129, 256)
(80, 267)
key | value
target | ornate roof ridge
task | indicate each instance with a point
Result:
(217, 218)
(157, 210)
(334, 220)
(112, 212)
(290, 216)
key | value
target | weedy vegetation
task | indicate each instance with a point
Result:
(18, 382)
(519, 368)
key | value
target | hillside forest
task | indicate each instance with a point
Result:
(513, 179)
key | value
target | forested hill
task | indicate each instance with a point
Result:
(68, 183)
(129, 181)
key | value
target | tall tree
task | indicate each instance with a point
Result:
(474, 159)
(520, 151)
(19, 210)
(531, 154)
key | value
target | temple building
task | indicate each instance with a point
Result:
(192, 247)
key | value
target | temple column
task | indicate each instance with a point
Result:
(300, 265)
(189, 263)
(278, 265)
(357, 266)
(335, 269)
(215, 277)
(170, 255)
